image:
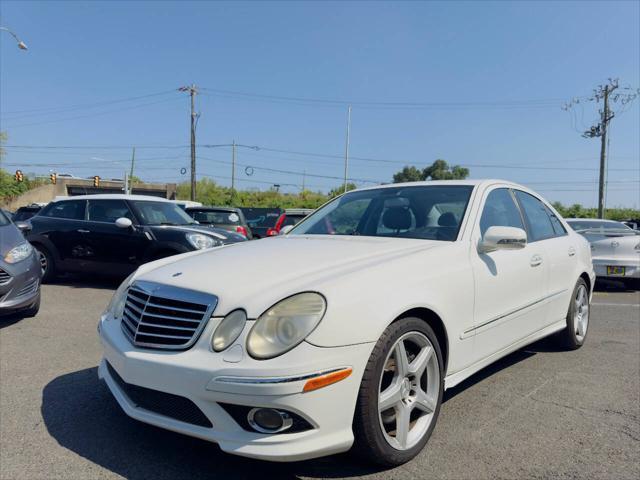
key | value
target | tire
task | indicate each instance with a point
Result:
(46, 263)
(377, 437)
(33, 310)
(575, 333)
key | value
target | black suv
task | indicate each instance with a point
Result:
(113, 234)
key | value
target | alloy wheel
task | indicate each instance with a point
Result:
(408, 391)
(44, 263)
(581, 315)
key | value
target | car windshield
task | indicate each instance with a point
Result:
(160, 213)
(215, 217)
(261, 217)
(25, 214)
(425, 212)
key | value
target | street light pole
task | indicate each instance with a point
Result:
(346, 148)
(21, 44)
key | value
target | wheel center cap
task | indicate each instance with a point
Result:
(405, 388)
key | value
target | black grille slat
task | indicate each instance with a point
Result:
(165, 404)
(4, 277)
(164, 322)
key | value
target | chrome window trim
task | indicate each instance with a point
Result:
(171, 293)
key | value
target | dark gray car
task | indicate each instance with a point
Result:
(20, 272)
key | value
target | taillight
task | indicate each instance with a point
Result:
(241, 230)
(272, 232)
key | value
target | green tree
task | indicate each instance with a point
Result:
(438, 170)
(334, 192)
(408, 174)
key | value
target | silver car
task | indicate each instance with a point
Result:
(615, 248)
(20, 271)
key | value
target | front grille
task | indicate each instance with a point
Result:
(164, 317)
(4, 277)
(28, 288)
(165, 404)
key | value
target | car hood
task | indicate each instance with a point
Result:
(253, 275)
(219, 233)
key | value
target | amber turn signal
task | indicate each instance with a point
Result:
(328, 379)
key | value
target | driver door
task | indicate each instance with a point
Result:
(509, 284)
(117, 251)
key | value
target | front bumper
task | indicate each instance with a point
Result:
(21, 286)
(631, 266)
(208, 379)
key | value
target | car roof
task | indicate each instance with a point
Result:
(435, 183)
(226, 209)
(116, 196)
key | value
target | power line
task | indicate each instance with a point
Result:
(61, 109)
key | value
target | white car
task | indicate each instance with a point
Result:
(391, 295)
(615, 248)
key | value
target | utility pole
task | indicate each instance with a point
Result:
(133, 161)
(605, 119)
(233, 170)
(346, 148)
(604, 93)
(304, 177)
(193, 90)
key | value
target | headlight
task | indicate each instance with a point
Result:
(19, 253)
(200, 241)
(285, 325)
(116, 305)
(228, 330)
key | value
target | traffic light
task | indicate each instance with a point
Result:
(19, 176)
(96, 181)
(54, 178)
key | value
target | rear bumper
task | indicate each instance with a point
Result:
(23, 287)
(206, 379)
(631, 266)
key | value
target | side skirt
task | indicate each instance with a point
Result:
(455, 378)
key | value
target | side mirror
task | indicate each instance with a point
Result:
(286, 229)
(24, 227)
(124, 222)
(503, 238)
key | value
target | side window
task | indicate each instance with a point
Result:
(108, 210)
(68, 209)
(540, 226)
(558, 228)
(500, 210)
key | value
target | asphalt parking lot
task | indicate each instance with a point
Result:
(538, 413)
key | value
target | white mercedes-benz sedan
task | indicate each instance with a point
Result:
(346, 331)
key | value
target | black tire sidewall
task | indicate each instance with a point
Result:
(570, 338)
(370, 441)
(49, 273)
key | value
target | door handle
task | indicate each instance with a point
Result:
(572, 251)
(536, 260)
(80, 230)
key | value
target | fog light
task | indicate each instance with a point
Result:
(269, 420)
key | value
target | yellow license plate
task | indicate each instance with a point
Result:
(615, 270)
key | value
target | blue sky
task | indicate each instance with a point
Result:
(493, 76)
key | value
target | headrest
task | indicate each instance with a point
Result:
(397, 218)
(447, 219)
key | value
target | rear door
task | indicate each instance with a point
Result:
(509, 284)
(117, 251)
(562, 262)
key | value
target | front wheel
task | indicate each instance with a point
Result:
(575, 333)
(46, 264)
(400, 394)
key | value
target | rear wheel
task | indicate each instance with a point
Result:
(575, 334)
(46, 263)
(400, 394)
